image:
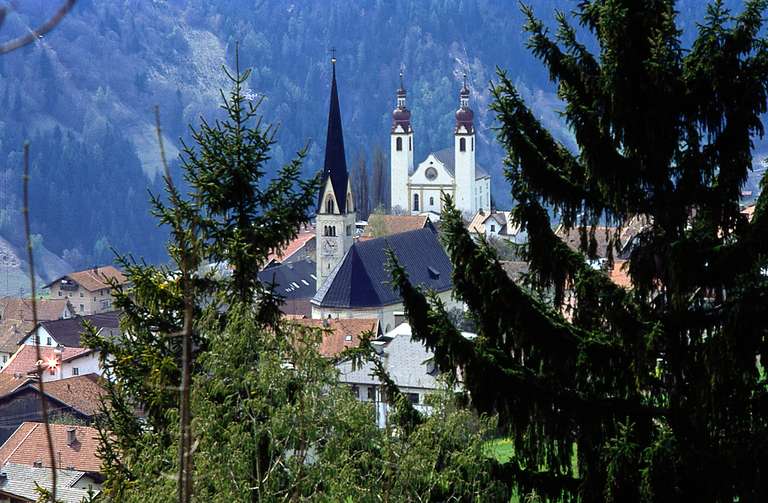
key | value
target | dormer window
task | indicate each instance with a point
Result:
(329, 206)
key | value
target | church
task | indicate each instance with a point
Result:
(351, 277)
(452, 170)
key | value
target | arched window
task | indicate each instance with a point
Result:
(473, 144)
(410, 144)
(415, 202)
(329, 206)
(462, 144)
(398, 144)
(431, 201)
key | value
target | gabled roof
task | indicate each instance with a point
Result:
(22, 480)
(502, 218)
(293, 280)
(82, 393)
(340, 334)
(67, 332)
(447, 157)
(93, 279)
(16, 318)
(395, 224)
(29, 444)
(361, 279)
(10, 383)
(24, 360)
(335, 166)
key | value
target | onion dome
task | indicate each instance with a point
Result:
(401, 116)
(464, 115)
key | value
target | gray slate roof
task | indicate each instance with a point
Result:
(20, 482)
(67, 332)
(446, 156)
(361, 279)
(293, 280)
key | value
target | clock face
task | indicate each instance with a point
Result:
(430, 173)
(329, 246)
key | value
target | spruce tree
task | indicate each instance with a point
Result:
(655, 393)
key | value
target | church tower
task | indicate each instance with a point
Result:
(335, 205)
(464, 154)
(401, 151)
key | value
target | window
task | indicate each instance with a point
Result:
(75, 371)
(5, 358)
(413, 398)
(356, 391)
(81, 295)
(48, 342)
(462, 144)
(431, 201)
(415, 202)
(59, 293)
(36, 339)
(430, 173)
(410, 143)
(371, 393)
(399, 144)
(349, 230)
(493, 228)
(329, 206)
(473, 144)
(82, 308)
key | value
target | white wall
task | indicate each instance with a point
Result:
(401, 165)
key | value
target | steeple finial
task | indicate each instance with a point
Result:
(402, 85)
(333, 60)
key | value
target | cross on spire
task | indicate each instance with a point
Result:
(333, 55)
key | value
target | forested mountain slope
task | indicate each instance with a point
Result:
(84, 94)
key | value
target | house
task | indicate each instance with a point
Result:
(409, 364)
(380, 225)
(360, 285)
(74, 399)
(16, 320)
(67, 332)
(88, 291)
(76, 447)
(57, 362)
(295, 282)
(19, 483)
(496, 225)
(341, 334)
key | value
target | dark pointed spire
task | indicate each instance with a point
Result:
(335, 166)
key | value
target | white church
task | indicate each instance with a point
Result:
(451, 171)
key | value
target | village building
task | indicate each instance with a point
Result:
(74, 399)
(16, 320)
(360, 285)
(25, 459)
(341, 334)
(452, 170)
(88, 291)
(67, 332)
(295, 283)
(496, 225)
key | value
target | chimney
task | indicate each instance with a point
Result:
(71, 436)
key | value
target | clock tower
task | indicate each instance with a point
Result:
(335, 205)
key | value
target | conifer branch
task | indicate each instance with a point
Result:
(35, 33)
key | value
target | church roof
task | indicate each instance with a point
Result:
(335, 166)
(446, 156)
(292, 280)
(362, 279)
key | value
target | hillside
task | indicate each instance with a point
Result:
(84, 94)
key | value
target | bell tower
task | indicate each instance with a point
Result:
(464, 153)
(335, 205)
(401, 151)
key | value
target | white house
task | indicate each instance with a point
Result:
(498, 225)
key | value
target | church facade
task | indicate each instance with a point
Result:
(452, 170)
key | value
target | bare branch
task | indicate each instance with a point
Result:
(31, 258)
(38, 32)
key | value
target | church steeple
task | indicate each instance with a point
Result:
(335, 166)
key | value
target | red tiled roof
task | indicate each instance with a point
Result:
(29, 444)
(82, 393)
(386, 225)
(294, 246)
(94, 279)
(25, 359)
(340, 334)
